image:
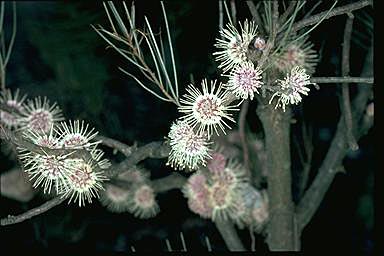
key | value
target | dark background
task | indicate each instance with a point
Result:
(57, 54)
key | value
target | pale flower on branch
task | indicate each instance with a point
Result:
(188, 149)
(85, 181)
(38, 115)
(143, 203)
(207, 110)
(245, 80)
(290, 89)
(234, 45)
(11, 120)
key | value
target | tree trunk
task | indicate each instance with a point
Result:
(281, 232)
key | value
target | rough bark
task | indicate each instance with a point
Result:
(276, 124)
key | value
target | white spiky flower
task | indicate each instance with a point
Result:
(143, 203)
(244, 80)
(48, 170)
(11, 120)
(290, 89)
(234, 45)
(76, 135)
(300, 53)
(84, 182)
(38, 115)
(188, 149)
(209, 109)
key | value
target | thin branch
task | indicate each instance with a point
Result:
(346, 107)
(244, 144)
(337, 11)
(288, 11)
(256, 17)
(347, 79)
(173, 181)
(233, 11)
(32, 213)
(229, 234)
(272, 35)
(317, 190)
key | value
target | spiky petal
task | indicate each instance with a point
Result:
(11, 120)
(207, 110)
(245, 80)
(38, 115)
(234, 45)
(289, 89)
(188, 149)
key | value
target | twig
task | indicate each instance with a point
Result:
(244, 144)
(220, 15)
(256, 17)
(229, 234)
(347, 79)
(32, 213)
(287, 12)
(272, 35)
(346, 107)
(337, 11)
(233, 11)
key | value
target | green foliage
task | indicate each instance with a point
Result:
(64, 45)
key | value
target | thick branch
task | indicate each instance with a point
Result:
(229, 234)
(32, 213)
(337, 11)
(276, 124)
(115, 144)
(347, 79)
(157, 149)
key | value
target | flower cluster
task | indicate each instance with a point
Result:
(224, 193)
(74, 174)
(137, 197)
(209, 111)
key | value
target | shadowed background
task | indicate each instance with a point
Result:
(57, 54)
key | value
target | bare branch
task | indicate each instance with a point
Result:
(244, 144)
(115, 144)
(32, 213)
(346, 107)
(173, 181)
(337, 11)
(347, 79)
(287, 12)
(256, 17)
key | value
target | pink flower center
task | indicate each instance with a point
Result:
(41, 120)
